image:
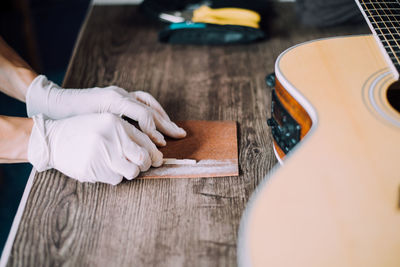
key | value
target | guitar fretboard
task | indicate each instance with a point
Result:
(383, 18)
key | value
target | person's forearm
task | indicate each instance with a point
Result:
(15, 74)
(14, 139)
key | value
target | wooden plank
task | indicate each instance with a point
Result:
(208, 150)
(160, 222)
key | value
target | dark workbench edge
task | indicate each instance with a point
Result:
(17, 219)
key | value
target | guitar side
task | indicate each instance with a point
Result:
(336, 200)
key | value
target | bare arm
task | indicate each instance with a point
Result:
(15, 74)
(15, 78)
(77, 108)
(14, 139)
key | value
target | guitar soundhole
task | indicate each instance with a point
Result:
(393, 95)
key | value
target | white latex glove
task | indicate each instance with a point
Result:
(91, 148)
(46, 97)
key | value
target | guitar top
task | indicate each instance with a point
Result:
(336, 199)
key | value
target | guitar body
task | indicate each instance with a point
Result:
(336, 199)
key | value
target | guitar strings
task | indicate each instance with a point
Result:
(384, 36)
(395, 18)
(391, 21)
(383, 21)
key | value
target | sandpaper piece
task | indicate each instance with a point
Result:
(213, 146)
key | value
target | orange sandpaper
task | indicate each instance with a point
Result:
(210, 147)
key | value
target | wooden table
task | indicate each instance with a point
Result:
(164, 222)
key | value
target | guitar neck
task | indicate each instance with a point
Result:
(383, 18)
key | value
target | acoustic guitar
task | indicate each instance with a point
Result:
(336, 127)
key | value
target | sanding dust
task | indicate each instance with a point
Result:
(203, 168)
(179, 161)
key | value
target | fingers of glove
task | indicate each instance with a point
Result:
(104, 174)
(143, 115)
(163, 122)
(137, 155)
(150, 101)
(144, 141)
(113, 180)
(108, 177)
(148, 118)
(119, 90)
(131, 150)
(124, 167)
(169, 128)
(146, 123)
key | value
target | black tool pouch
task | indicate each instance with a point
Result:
(211, 34)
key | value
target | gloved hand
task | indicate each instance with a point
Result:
(91, 148)
(46, 97)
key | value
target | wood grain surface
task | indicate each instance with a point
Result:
(161, 222)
